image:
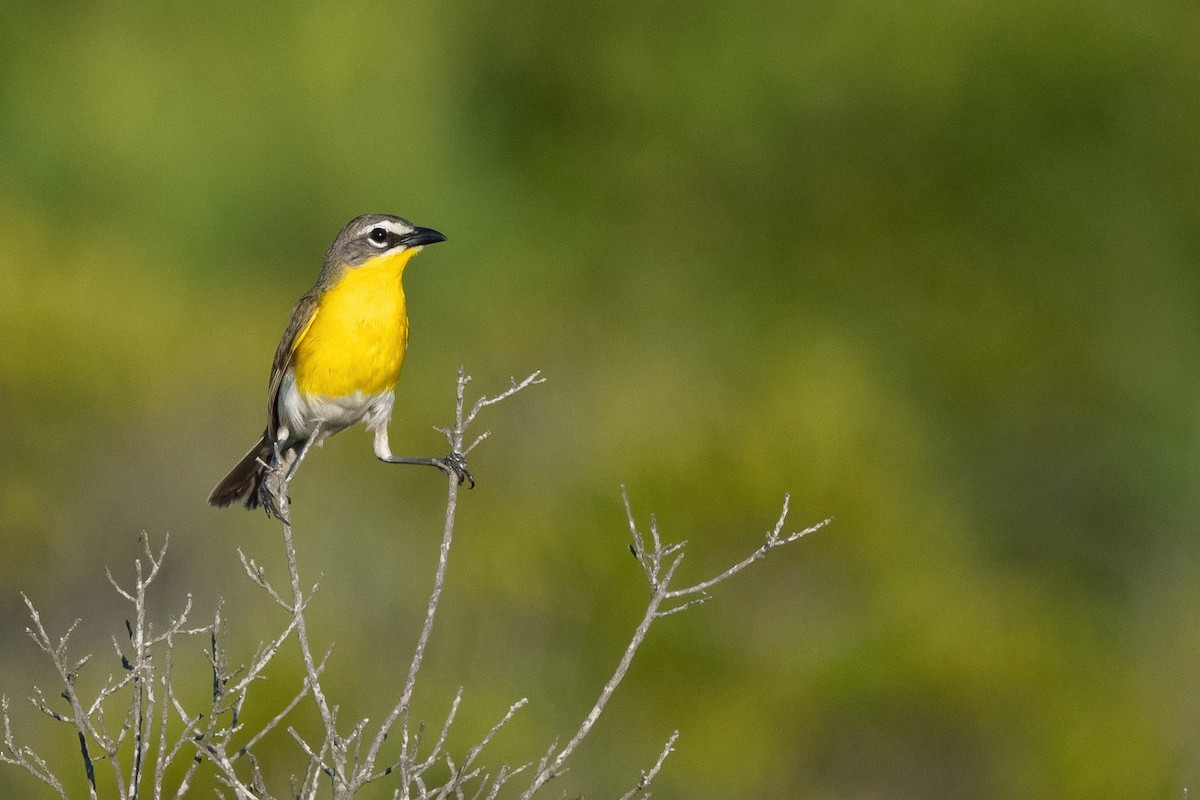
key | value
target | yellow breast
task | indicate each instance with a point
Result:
(357, 339)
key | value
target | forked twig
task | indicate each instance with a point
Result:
(659, 562)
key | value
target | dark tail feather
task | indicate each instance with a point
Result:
(242, 483)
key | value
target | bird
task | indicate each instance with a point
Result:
(338, 361)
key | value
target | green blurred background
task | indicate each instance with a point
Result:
(930, 267)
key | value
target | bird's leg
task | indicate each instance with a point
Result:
(295, 465)
(454, 464)
(273, 491)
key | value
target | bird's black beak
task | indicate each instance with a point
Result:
(422, 236)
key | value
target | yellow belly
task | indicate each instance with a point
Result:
(357, 339)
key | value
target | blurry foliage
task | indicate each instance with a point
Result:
(929, 266)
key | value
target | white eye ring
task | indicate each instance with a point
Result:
(378, 237)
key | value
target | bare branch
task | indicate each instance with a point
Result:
(258, 575)
(483, 402)
(400, 709)
(25, 757)
(278, 718)
(648, 776)
(308, 751)
(659, 562)
(456, 435)
(78, 718)
(310, 666)
(262, 658)
(552, 767)
(441, 740)
(478, 440)
(474, 752)
(695, 601)
(773, 540)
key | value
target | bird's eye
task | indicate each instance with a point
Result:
(378, 236)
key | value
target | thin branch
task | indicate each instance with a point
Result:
(462, 423)
(553, 767)
(400, 709)
(659, 562)
(278, 718)
(474, 752)
(310, 665)
(455, 436)
(78, 718)
(649, 775)
(441, 740)
(773, 540)
(25, 757)
(258, 575)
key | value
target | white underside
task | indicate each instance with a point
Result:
(317, 417)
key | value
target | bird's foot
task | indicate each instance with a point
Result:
(455, 464)
(273, 496)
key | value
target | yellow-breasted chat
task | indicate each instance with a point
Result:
(338, 361)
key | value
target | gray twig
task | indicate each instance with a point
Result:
(648, 775)
(400, 710)
(659, 562)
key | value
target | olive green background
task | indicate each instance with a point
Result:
(931, 267)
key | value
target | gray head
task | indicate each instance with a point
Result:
(373, 235)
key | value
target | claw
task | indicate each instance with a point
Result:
(269, 502)
(272, 492)
(456, 464)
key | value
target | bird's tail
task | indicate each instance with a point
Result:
(242, 483)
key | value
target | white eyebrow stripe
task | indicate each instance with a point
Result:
(386, 224)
